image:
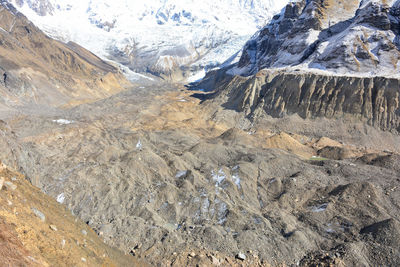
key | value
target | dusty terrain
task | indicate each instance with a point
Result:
(159, 175)
(35, 230)
(181, 178)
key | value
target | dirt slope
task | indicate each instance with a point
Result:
(35, 230)
(35, 69)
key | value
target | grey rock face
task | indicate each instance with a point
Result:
(372, 100)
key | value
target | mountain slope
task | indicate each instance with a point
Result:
(345, 37)
(36, 69)
(170, 39)
(333, 59)
(35, 230)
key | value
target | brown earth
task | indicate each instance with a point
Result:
(58, 240)
(37, 70)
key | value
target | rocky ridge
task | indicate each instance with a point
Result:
(374, 100)
(344, 37)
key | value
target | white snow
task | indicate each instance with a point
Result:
(320, 208)
(364, 3)
(312, 36)
(139, 145)
(235, 176)
(357, 50)
(236, 179)
(197, 76)
(180, 174)
(61, 198)
(209, 31)
(219, 177)
(63, 121)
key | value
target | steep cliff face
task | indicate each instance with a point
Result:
(37, 69)
(372, 100)
(358, 37)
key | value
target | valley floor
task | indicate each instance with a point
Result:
(174, 180)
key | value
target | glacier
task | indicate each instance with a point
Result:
(173, 39)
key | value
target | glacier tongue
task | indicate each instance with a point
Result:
(156, 36)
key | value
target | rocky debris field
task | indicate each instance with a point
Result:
(172, 181)
(35, 230)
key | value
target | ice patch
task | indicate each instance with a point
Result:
(236, 177)
(236, 180)
(205, 205)
(222, 211)
(139, 145)
(63, 121)
(219, 177)
(257, 220)
(61, 198)
(320, 208)
(180, 174)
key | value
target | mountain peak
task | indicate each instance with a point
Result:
(186, 37)
(344, 37)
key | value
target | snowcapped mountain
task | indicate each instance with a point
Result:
(352, 37)
(168, 38)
